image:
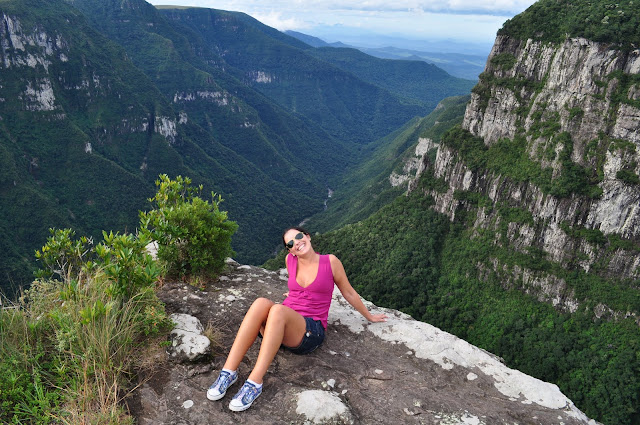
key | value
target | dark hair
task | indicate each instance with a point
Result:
(298, 228)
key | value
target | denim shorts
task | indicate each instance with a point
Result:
(312, 338)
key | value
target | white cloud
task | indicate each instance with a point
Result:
(276, 20)
(493, 7)
(458, 19)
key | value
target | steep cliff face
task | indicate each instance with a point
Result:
(571, 113)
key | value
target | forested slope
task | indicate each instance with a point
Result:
(412, 79)
(100, 97)
(85, 133)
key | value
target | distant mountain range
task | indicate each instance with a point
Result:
(462, 65)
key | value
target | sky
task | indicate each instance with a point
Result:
(465, 21)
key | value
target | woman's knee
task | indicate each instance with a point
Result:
(281, 313)
(292, 324)
(262, 304)
(260, 308)
(278, 310)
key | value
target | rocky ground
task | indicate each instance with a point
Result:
(401, 371)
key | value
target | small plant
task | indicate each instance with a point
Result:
(62, 256)
(576, 112)
(126, 262)
(193, 235)
(121, 257)
(628, 176)
(214, 334)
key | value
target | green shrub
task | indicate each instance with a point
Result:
(121, 257)
(126, 263)
(628, 176)
(193, 235)
(506, 61)
(576, 112)
(63, 257)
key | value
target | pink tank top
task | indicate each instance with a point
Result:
(314, 300)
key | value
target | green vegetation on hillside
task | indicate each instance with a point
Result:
(90, 162)
(366, 189)
(257, 153)
(509, 158)
(410, 78)
(131, 92)
(64, 167)
(608, 21)
(358, 99)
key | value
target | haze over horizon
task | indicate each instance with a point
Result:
(468, 26)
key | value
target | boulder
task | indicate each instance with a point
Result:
(188, 344)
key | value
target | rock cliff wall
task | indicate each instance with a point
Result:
(536, 94)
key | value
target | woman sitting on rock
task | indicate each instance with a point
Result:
(298, 323)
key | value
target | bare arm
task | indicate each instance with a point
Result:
(286, 264)
(350, 294)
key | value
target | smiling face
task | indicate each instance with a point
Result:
(301, 242)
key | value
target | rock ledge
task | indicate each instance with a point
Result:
(401, 371)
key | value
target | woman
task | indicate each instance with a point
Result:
(298, 323)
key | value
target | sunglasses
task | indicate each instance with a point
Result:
(289, 244)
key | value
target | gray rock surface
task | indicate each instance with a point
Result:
(401, 371)
(187, 341)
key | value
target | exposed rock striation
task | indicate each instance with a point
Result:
(413, 165)
(401, 371)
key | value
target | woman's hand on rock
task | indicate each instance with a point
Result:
(378, 318)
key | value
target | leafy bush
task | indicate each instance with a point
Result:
(193, 235)
(576, 112)
(126, 263)
(628, 176)
(62, 256)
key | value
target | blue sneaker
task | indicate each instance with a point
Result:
(245, 397)
(219, 388)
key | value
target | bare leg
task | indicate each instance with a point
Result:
(283, 326)
(253, 320)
